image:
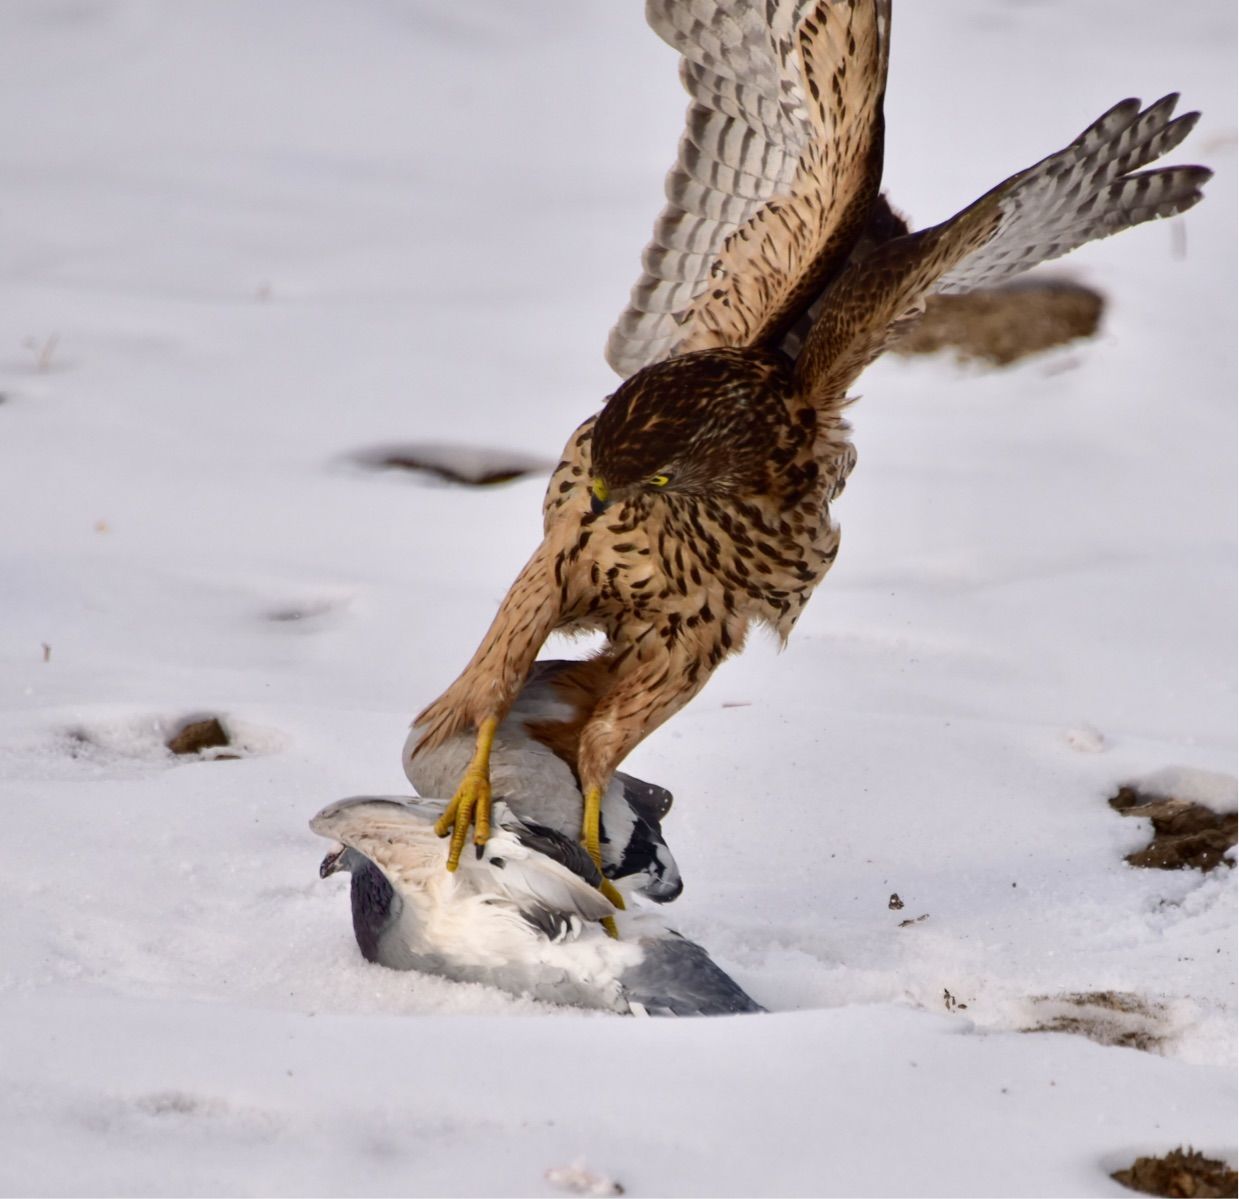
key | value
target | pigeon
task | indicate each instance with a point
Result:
(522, 915)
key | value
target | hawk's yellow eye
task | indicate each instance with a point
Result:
(659, 480)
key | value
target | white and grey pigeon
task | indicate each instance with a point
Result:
(522, 915)
(527, 773)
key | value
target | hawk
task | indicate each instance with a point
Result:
(696, 503)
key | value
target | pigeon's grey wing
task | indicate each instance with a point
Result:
(343, 810)
(677, 977)
(554, 845)
(397, 835)
(778, 170)
(1091, 189)
(520, 865)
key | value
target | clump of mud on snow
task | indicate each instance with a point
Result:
(1184, 833)
(1181, 1173)
(1001, 325)
(200, 734)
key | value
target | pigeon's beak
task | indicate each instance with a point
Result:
(331, 863)
(600, 496)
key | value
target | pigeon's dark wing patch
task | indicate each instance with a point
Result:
(559, 849)
(554, 926)
(650, 801)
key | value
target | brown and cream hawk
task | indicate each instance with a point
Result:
(697, 502)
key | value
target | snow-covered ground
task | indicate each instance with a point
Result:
(245, 241)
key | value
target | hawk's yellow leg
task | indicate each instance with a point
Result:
(591, 838)
(471, 803)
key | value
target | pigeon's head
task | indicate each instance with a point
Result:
(342, 857)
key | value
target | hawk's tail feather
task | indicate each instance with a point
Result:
(1091, 189)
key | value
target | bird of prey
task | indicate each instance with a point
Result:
(519, 916)
(697, 502)
(533, 769)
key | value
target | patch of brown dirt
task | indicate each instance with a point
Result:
(1181, 1173)
(1001, 325)
(1185, 834)
(1107, 1017)
(197, 735)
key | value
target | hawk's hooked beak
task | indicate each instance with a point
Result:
(600, 497)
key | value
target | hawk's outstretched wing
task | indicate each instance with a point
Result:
(778, 170)
(1091, 189)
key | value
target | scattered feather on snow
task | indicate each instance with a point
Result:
(578, 1180)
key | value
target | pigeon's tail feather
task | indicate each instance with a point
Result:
(676, 977)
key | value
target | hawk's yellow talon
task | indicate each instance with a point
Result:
(591, 839)
(608, 888)
(471, 803)
(447, 821)
(591, 832)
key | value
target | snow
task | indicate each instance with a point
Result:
(1208, 788)
(246, 243)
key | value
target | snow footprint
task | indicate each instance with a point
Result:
(167, 1112)
(164, 740)
(1107, 1017)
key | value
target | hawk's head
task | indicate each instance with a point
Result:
(711, 423)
